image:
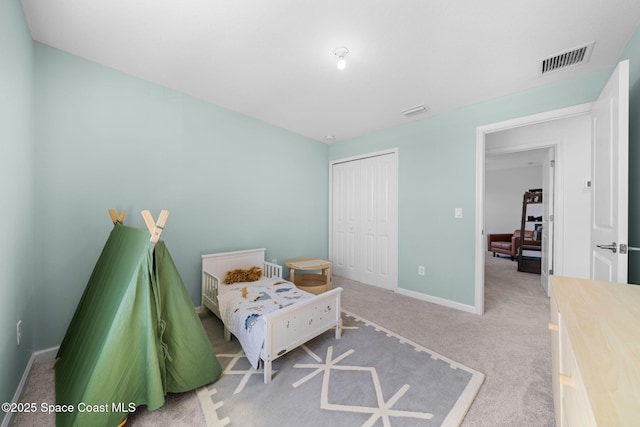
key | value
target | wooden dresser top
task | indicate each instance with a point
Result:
(602, 320)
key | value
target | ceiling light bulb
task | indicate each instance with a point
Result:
(341, 52)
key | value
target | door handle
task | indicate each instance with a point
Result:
(612, 247)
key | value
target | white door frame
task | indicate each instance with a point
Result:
(548, 223)
(481, 133)
(395, 151)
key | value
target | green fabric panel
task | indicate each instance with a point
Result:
(114, 349)
(191, 359)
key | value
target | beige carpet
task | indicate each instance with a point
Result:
(510, 344)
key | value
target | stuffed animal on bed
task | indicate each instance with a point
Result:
(239, 275)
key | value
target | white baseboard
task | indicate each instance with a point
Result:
(36, 356)
(440, 301)
(46, 354)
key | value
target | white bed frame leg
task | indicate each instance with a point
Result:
(339, 329)
(267, 372)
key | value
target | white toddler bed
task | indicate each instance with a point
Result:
(285, 328)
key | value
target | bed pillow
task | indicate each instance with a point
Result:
(239, 275)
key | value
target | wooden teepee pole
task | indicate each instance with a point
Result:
(155, 228)
(117, 219)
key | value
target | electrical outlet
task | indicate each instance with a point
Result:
(274, 261)
(19, 331)
(421, 270)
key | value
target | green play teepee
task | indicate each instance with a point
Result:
(134, 337)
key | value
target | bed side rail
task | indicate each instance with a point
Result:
(210, 285)
(270, 269)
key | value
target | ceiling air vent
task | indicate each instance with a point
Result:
(577, 56)
(414, 111)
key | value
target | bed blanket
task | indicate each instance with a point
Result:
(243, 305)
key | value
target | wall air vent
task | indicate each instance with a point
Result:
(569, 58)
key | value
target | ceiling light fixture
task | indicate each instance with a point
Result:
(341, 52)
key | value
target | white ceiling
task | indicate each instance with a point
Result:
(273, 60)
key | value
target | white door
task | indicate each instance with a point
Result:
(346, 219)
(364, 220)
(548, 182)
(610, 179)
(378, 221)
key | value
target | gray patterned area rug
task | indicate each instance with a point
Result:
(369, 377)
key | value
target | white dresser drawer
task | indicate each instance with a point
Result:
(595, 352)
(575, 400)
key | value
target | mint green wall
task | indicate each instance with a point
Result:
(17, 245)
(632, 53)
(109, 140)
(99, 139)
(437, 173)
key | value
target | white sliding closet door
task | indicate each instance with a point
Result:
(365, 220)
(346, 219)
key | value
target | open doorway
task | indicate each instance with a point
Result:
(568, 131)
(508, 176)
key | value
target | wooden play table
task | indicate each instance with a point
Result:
(316, 283)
